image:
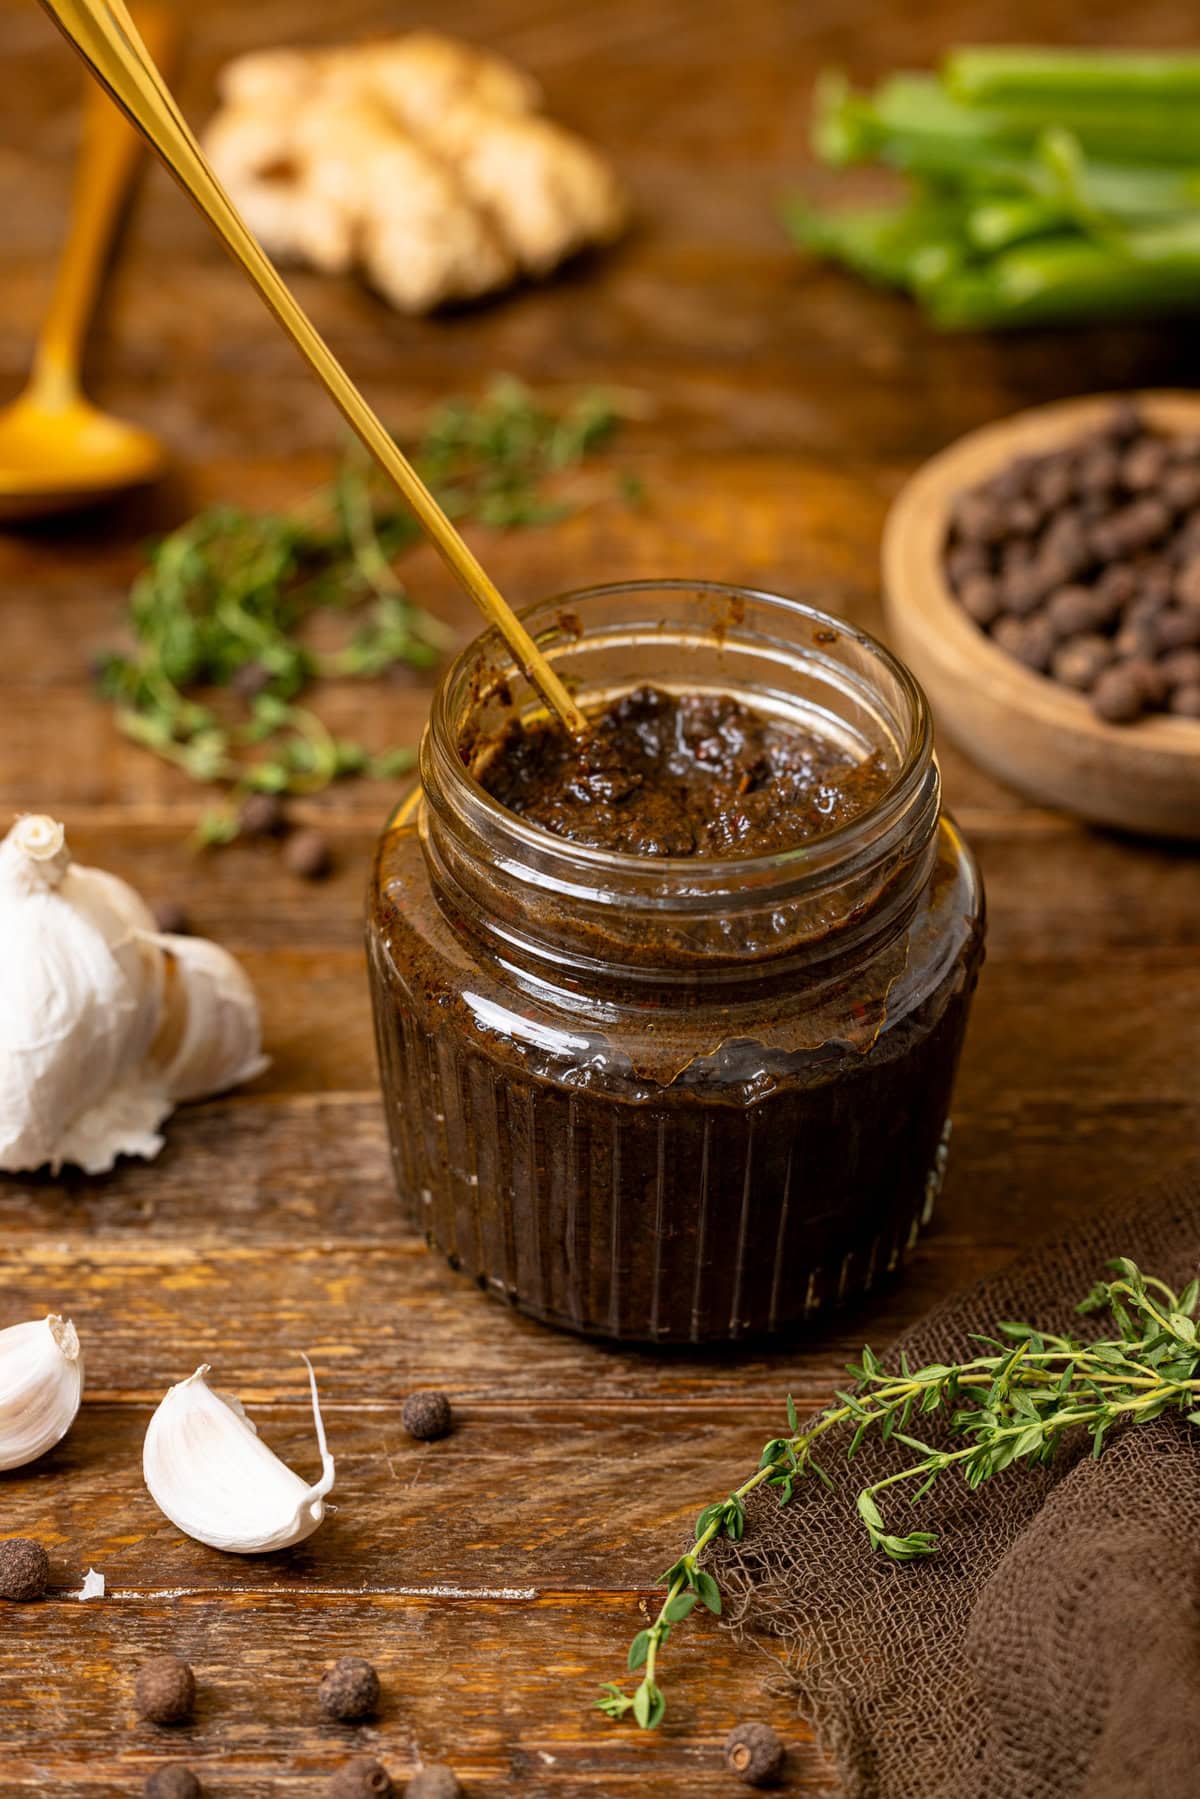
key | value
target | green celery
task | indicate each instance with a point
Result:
(993, 223)
(998, 73)
(911, 122)
(1046, 186)
(910, 246)
(1072, 278)
(1115, 190)
(1151, 133)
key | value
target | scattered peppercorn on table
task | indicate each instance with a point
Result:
(492, 1575)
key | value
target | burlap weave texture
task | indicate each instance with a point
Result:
(1051, 1649)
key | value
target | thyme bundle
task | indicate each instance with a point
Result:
(225, 602)
(1015, 1402)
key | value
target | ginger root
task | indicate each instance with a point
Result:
(418, 160)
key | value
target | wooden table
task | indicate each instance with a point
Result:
(496, 1577)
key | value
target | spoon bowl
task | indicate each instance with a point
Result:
(64, 456)
(58, 453)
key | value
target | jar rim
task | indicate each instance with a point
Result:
(814, 856)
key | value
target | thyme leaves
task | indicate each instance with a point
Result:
(223, 662)
(1016, 1401)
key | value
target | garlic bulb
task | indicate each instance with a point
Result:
(104, 1023)
(41, 1385)
(208, 1471)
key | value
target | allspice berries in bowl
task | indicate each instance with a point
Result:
(1042, 579)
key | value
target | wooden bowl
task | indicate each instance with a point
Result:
(1020, 726)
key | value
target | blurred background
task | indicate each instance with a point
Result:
(743, 345)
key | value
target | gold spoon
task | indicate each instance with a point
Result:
(57, 451)
(105, 36)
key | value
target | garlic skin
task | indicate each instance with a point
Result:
(41, 1385)
(93, 1586)
(212, 1476)
(105, 1024)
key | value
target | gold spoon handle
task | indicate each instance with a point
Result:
(105, 36)
(107, 155)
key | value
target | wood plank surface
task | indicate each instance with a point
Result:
(496, 1577)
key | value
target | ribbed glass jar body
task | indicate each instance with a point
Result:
(673, 1100)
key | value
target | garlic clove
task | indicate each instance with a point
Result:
(210, 1037)
(210, 1474)
(41, 1385)
(129, 928)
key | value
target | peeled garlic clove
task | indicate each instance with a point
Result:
(210, 1036)
(41, 1385)
(209, 1473)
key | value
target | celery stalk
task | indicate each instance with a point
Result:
(911, 122)
(1073, 278)
(1118, 191)
(1046, 185)
(907, 246)
(991, 73)
(994, 223)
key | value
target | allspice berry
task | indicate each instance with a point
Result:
(1118, 696)
(262, 815)
(434, 1782)
(171, 918)
(307, 855)
(164, 1690)
(426, 1416)
(350, 1690)
(981, 598)
(755, 1754)
(363, 1778)
(24, 1569)
(250, 680)
(1082, 661)
(172, 1783)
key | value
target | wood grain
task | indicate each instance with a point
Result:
(785, 406)
(467, 1678)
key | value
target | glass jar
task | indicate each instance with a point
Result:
(673, 1100)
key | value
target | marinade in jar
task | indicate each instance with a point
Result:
(669, 1017)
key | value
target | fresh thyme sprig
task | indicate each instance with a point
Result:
(225, 601)
(1015, 1403)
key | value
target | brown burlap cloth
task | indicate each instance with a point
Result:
(1051, 1649)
